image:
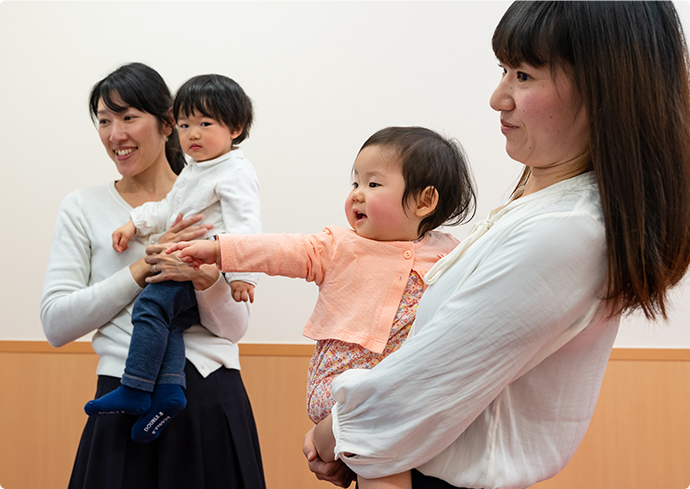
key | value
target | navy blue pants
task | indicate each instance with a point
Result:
(421, 481)
(156, 353)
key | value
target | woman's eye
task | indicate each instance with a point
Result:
(522, 76)
(102, 122)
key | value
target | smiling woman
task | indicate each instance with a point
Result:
(132, 139)
(91, 288)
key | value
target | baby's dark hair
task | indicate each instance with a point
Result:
(218, 97)
(429, 159)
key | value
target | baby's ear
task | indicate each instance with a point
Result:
(235, 132)
(427, 200)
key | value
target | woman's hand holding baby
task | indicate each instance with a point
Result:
(186, 229)
(197, 253)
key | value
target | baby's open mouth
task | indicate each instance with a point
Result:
(360, 215)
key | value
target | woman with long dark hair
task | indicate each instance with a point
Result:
(496, 386)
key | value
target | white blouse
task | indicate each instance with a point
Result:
(497, 383)
(88, 287)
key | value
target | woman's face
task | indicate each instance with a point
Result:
(135, 140)
(543, 119)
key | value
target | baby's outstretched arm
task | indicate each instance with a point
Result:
(197, 253)
(242, 291)
(122, 235)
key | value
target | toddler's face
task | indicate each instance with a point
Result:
(374, 207)
(204, 138)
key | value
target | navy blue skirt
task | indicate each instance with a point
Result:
(421, 481)
(211, 444)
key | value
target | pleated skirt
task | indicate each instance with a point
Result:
(211, 444)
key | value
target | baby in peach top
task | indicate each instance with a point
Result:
(407, 182)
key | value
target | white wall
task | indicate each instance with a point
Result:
(323, 76)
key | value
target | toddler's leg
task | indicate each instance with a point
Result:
(397, 481)
(168, 401)
(123, 400)
(168, 396)
(155, 310)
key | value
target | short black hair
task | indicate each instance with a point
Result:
(429, 159)
(218, 97)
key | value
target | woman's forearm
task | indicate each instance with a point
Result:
(219, 312)
(71, 309)
(71, 306)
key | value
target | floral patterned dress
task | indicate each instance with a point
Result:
(333, 357)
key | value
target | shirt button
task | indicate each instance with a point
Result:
(407, 254)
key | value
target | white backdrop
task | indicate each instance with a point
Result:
(323, 76)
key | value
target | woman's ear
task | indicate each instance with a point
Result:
(426, 202)
(170, 125)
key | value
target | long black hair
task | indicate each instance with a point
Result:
(629, 63)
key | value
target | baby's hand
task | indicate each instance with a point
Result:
(242, 291)
(122, 235)
(197, 253)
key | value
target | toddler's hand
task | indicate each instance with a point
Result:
(122, 235)
(242, 291)
(196, 253)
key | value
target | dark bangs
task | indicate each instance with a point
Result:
(137, 86)
(195, 100)
(534, 33)
(218, 97)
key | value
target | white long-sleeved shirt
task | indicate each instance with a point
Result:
(89, 286)
(225, 190)
(497, 383)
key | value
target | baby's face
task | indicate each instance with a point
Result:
(204, 138)
(374, 207)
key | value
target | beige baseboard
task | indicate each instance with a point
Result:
(639, 436)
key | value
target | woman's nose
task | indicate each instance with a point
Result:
(502, 99)
(117, 132)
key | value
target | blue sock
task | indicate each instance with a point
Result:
(168, 401)
(123, 400)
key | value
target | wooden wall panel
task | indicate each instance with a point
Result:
(277, 389)
(639, 437)
(42, 397)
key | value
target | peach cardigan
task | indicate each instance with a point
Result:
(361, 281)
